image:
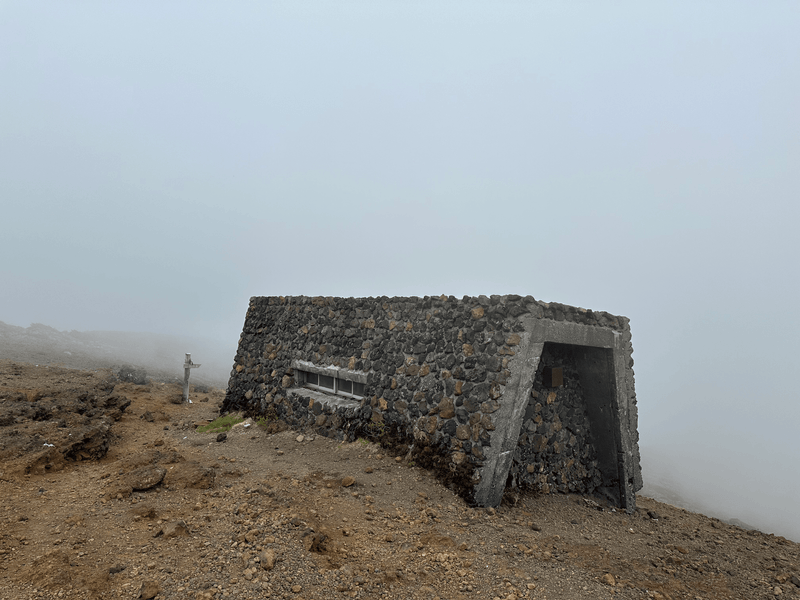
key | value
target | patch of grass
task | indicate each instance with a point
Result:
(376, 429)
(270, 416)
(221, 424)
(363, 442)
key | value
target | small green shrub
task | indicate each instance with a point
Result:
(221, 424)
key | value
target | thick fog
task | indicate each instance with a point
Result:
(161, 163)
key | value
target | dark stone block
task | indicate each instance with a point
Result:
(477, 374)
(472, 405)
(480, 391)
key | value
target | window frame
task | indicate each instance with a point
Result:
(310, 375)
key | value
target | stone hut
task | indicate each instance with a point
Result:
(489, 392)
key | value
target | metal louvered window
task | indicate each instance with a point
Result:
(337, 385)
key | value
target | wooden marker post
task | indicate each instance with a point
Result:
(188, 365)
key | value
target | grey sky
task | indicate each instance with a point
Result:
(160, 164)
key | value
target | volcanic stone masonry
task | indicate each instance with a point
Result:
(489, 392)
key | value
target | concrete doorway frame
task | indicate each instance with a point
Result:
(608, 393)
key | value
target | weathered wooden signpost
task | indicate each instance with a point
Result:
(188, 365)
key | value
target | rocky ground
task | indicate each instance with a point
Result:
(108, 490)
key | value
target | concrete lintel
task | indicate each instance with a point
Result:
(330, 371)
(564, 332)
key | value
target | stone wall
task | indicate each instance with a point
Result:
(556, 449)
(456, 383)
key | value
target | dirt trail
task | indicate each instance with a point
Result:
(168, 512)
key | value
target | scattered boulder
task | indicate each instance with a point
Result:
(268, 559)
(252, 535)
(173, 529)
(190, 474)
(91, 444)
(314, 541)
(608, 579)
(144, 511)
(149, 590)
(435, 539)
(150, 457)
(131, 374)
(146, 477)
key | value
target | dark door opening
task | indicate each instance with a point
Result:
(569, 438)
